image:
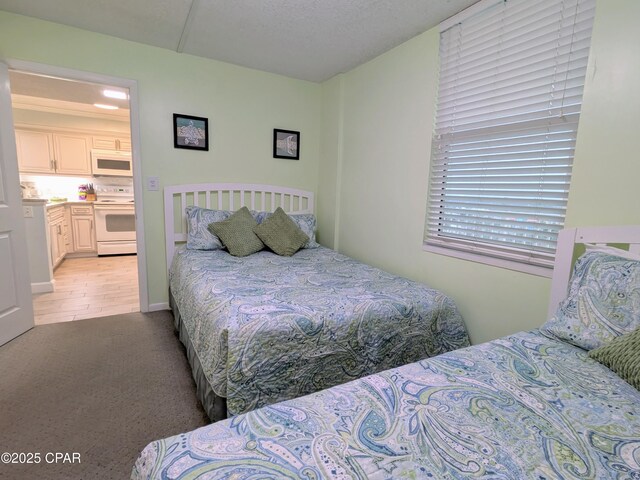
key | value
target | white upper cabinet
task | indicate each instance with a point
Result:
(72, 154)
(120, 143)
(35, 151)
(51, 152)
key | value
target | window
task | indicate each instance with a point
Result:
(510, 90)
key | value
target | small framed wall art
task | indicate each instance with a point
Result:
(286, 144)
(190, 132)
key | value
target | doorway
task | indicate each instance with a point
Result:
(59, 105)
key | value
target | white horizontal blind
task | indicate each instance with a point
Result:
(510, 89)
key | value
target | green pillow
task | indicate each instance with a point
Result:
(622, 356)
(236, 233)
(281, 234)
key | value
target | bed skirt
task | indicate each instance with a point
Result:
(214, 405)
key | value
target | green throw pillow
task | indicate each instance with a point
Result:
(236, 233)
(281, 234)
(622, 356)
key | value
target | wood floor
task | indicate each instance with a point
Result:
(88, 288)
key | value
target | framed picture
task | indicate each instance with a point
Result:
(286, 144)
(190, 132)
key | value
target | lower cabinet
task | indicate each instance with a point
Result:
(71, 232)
(67, 229)
(83, 227)
(57, 230)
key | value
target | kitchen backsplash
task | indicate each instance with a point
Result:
(54, 186)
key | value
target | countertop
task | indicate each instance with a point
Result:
(69, 202)
(49, 204)
(34, 201)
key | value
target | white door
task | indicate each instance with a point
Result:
(16, 307)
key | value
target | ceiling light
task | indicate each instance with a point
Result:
(106, 107)
(115, 94)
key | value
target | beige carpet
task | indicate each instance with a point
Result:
(102, 388)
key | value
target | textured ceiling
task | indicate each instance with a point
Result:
(305, 39)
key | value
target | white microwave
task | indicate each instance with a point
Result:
(111, 162)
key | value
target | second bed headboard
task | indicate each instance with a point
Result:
(225, 196)
(569, 238)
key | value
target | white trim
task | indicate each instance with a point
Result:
(138, 195)
(493, 261)
(42, 287)
(156, 307)
(132, 85)
(214, 193)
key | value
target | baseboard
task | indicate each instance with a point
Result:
(45, 287)
(154, 307)
(81, 255)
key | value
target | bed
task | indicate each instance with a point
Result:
(539, 404)
(264, 328)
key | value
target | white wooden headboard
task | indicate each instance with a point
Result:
(567, 240)
(225, 196)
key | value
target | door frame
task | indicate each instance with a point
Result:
(134, 121)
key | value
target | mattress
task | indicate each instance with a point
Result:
(266, 328)
(524, 406)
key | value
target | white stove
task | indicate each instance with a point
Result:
(115, 220)
(114, 194)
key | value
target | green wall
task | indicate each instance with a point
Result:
(330, 169)
(243, 107)
(606, 171)
(387, 109)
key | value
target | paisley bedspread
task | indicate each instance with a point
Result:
(521, 407)
(268, 328)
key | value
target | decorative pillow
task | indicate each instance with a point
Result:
(603, 301)
(622, 356)
(199, 237)
(236, 233)
(281, 234)
(305, 222)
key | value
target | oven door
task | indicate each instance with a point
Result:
(115, 223)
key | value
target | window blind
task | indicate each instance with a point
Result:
(510, 88)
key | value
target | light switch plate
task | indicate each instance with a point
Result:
(153, 184)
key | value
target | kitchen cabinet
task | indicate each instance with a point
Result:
(67, 229)
(35, 151)
(56, 223)
(122, 143)
(51, 152)
(72, 154)
(83, 226)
